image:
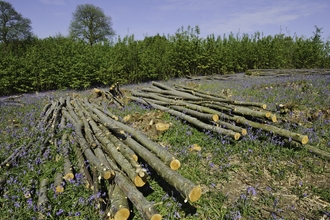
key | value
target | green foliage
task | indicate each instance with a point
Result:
(13, 25)
(61, 62)
(90, 24)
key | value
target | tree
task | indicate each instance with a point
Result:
(90, 24)
(12, 24)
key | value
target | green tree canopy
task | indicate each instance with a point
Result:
(90, 24)
(13, 26)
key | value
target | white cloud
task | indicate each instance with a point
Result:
(248, 18)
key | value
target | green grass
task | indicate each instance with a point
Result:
(253, 178)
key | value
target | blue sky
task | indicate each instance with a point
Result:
(149, 17)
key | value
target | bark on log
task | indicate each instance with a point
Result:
(161, 152)
(106, 173)
(42, 195)
(146, 208)
(186, 188)
(119, 209)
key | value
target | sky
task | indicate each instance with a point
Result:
(150, 17)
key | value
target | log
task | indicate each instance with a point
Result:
(87, 179)
(90, 137)
(58, 184)
(124, 150)
(187, 189)
(219, 98)
(241, 110)
(110, 148)
(68, 175)
(137, 176)
(303, 139)
(242, 131)
(146, 208)
(119, 207)
(161, 152)
(197, 122)
(199, 92)
(174, 93)
(106, 173)
(42, 195)
(200, 115)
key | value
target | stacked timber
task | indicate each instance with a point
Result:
(113, 150)
(214, 112)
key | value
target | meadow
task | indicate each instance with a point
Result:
(256, 177)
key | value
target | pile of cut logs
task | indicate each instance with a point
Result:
(112, 150)
(214, 112)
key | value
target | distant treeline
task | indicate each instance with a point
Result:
(60, 62)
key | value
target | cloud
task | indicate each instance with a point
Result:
(254, 16)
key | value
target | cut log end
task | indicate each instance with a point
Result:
(237, 136)
(162, 126)
(139, 182)
(244, 132)
(175, 164)
(108, 174)
(135, 157)
(215, 118)
(59, 189)
(273, 118)
(264, 106)
(304, 139)
(195, 194)
(68, 176)
(156, 217)
(122, 214)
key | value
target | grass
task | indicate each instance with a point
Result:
(254, 178)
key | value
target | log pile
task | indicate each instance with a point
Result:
(113, 151)
(11, 100)
(214, 112)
